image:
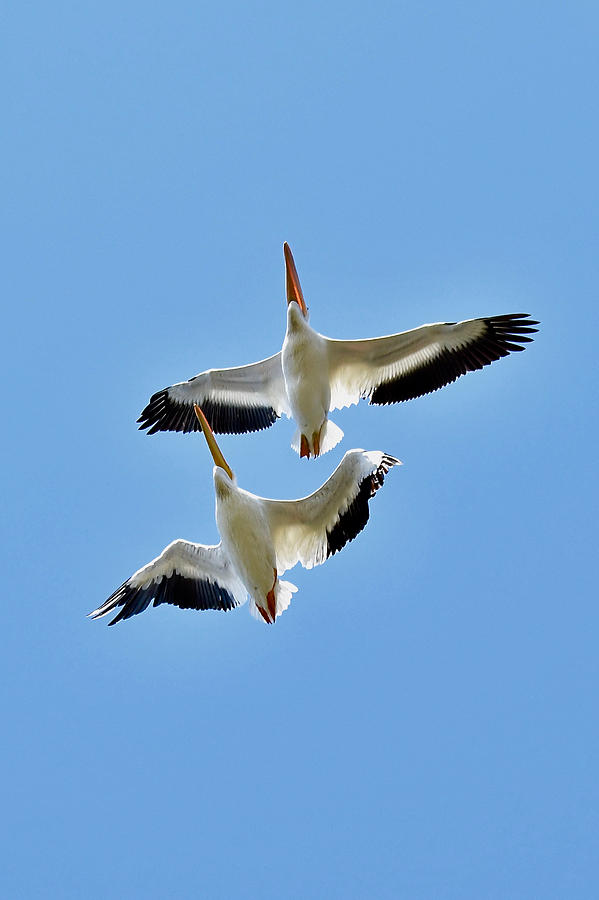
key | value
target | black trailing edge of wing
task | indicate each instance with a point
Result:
(165, 414)
(355, 517)
(502, 336)
(186, 593)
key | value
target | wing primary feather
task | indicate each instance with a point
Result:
(163, 413)
(502, 335)
(176, 589)
(353, 519)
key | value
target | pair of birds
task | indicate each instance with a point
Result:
(312, 374)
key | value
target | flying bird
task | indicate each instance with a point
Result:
(260, 540)
(314, 374)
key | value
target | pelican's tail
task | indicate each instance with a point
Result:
(319, 443)
(284, 590)
(330, 436)
(296, 441)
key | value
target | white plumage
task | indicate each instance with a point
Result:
(314, 374)
(260, 540)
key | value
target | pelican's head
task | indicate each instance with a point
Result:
(294, 288)
(222, 471)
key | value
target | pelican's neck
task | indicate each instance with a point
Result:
(297, 322)
(223, 485)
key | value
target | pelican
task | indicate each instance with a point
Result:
(260, 540)
(314, 374)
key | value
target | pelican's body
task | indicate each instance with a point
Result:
(246, 539)
(314, 374)
(260, 540)
(305, 370)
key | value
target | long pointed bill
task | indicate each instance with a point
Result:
(219, 459)
(294, 288)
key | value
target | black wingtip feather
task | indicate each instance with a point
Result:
(186, 593)
(353, 520)
(165, 414)
(503, 335)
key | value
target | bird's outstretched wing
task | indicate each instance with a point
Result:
(190, 576)
(246, 398)
(313, 528)
(407, 365)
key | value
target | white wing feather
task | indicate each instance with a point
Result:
(313, 528)
(235, 400)
(424, 359)
(188, 575)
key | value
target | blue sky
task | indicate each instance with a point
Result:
(422, 722)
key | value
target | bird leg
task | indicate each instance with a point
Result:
(270, 598)
(316, 442)
(264, 614)
(304, 447)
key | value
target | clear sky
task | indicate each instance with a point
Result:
(422, 721)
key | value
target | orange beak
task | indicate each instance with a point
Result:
(294, 288)
(217, 456)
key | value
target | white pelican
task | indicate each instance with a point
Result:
(314, 374)
(260, 540)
